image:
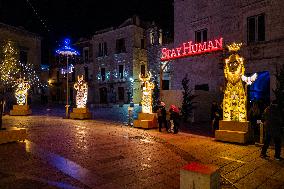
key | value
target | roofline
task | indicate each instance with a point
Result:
(17, 29)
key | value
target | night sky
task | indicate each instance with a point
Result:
(81, 18)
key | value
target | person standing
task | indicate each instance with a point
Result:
(254, 115)
(272, 129)
(162, 116)
(174, 115)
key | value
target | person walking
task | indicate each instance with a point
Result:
(272, 129)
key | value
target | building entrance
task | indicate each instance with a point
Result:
(103, 95)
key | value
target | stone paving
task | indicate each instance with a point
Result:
(62, 153)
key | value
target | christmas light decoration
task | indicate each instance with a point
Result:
(249, 80)
(147, 93)
(9, 67)
(21, 92)
(191, 49)
(234, 102)
(82, 92)
(67, 51)
(70, 69)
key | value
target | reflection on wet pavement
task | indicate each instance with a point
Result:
(96, 154)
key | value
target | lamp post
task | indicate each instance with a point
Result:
(67, 51)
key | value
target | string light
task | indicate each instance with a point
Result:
(11, 69)
(147, 93)
(82, 92)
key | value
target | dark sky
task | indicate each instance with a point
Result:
(79, 18)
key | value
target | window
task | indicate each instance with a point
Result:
(142, 43)
(86, 73)
(24, 57)
(256, 28)
(120, 45)
(120, 71)
(102, 49)
(202, 87)
(103, 74)
(143, 70)
(201, 36)
(86, 55)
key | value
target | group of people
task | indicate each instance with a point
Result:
(170, 119)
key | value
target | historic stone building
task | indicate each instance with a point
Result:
(113, 59)
(259, 25)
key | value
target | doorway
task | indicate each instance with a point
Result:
(103, 95)
(121, 94)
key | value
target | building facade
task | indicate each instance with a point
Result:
(259, 25)
(113, 59)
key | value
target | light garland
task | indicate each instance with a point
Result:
(147, 93)
(234, 102)
(70, 69)
(82, 92)
(21, 92)
(11, 68)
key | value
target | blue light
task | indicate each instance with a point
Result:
(67, 49)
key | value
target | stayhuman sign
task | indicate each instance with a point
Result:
(191, 49)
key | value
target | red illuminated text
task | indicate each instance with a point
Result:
(191, 49)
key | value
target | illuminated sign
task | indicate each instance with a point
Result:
(191, 49)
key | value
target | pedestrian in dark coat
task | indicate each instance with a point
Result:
(215, 116)
(162, 116)
(272, 129)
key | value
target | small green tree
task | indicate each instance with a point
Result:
(279, 91)
(187, 103)
(155, 96)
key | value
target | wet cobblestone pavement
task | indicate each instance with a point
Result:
(63, 153)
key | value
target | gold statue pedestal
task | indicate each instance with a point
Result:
(146, 121)
(20, 110)
(80, 113)
(12, 134)
(234, 131)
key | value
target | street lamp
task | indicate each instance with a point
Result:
(67, 51)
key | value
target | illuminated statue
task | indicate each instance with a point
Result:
(21, 92)
(147, 93)
(234, 102)
(82, 92)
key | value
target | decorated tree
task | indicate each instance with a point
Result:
(187, 103)
(9, 67)
(279, 91)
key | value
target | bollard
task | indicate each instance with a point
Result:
(199, 176)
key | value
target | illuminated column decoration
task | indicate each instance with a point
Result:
(21, 92)
(147, 93)
(82, 92)
(234, 102)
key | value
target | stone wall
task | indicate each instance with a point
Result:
(227, 19)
